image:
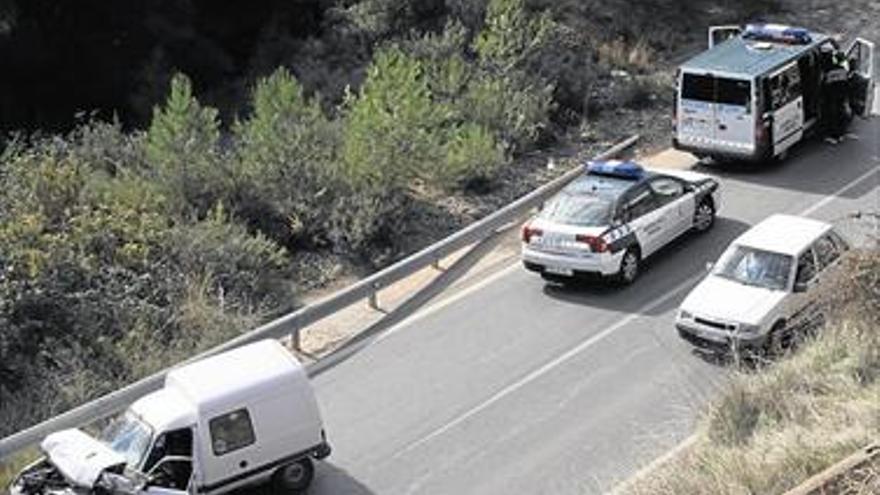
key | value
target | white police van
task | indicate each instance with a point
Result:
(605, 222)
(760, 89)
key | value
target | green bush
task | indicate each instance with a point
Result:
(472, 156)
(393, 128)
(286, 159)
(512, 107)
(182, 148)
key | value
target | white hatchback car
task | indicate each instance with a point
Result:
(762, 288)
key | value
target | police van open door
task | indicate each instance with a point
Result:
(720, 34)
(784, 93)
(860, 55)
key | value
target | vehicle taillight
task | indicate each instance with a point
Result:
(597, 244)
(760, 131)
(528, 232)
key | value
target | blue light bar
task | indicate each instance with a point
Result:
(778, 33)
(616, 168)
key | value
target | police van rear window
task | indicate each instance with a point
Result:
(715, 89)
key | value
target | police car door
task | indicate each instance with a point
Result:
(641, 213)
(675, 205)
(786, 107)
(860, 55)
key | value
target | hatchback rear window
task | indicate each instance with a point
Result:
(715, 89)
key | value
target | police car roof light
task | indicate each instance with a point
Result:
(616, 168)
(778, 33)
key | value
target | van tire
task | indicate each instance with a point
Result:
(294, 477)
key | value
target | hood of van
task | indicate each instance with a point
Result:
(80, 458)
(732, 301)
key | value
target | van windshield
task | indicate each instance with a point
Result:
(128, 436)
(715, 89)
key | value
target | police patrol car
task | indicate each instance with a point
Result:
(760, 89)
(612, 217)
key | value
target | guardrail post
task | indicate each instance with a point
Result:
(374, 298)
(436, 264)
(296, 341)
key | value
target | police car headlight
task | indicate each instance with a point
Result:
(685, 315)
(751, 329)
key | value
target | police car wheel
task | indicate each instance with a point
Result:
(704, 216)
(629, 267)
(294, 477)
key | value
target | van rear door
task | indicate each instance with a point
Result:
(734, 116)
(696, 108)
(716, 113)
(860, 55)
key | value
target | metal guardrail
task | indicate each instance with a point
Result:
(292, 323)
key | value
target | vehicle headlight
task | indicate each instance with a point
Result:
(744, 328)
(685, 315)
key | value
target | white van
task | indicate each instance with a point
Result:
(759, 90)
(762, 291)
(245, 416)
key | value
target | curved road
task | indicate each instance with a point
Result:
(522, 387)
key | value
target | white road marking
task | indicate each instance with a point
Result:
(836, 194)
(598, 337)
(552, 364)
(646, 470)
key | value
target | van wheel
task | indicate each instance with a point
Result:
(629, 267)
(294, 477)
(704, 216)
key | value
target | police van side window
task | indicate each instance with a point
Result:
(785, 87)
(231, 431)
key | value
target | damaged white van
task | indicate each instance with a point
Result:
(246, 416)
(760, 89)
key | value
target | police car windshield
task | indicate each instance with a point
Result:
(755, 267)
(582, 210)
(715, 89)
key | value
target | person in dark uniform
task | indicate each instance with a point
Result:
(837, 113)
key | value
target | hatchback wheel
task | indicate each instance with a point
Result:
(294, 477)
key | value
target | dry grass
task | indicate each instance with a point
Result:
(775, 427)
(619, 54)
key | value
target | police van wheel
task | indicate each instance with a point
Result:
(294, 477)
(629, 267)
(704, 216)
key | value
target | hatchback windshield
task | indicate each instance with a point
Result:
(755, 267)
(583, 210)
(129, 437)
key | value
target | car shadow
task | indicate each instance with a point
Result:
(665, 270)
(329, 480)
(813, 166)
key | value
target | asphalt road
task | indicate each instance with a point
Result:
(523, 387)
